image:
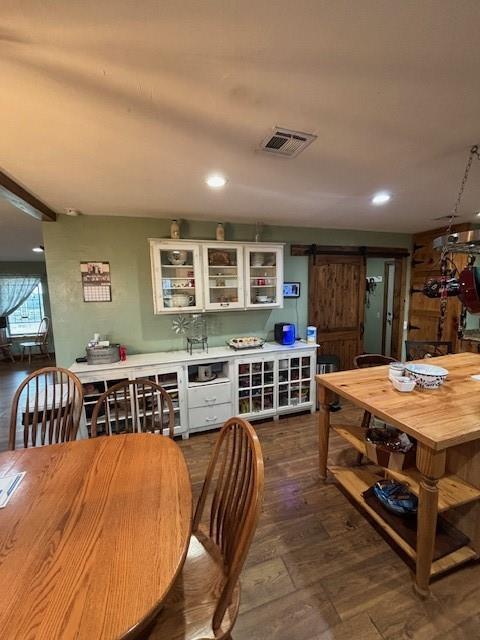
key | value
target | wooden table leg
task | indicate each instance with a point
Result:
(324, 399)
(431, 465)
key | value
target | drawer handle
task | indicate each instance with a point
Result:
(224, 304)
(211, 419)
(207, 400)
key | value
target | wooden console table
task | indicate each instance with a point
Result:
(446, 425)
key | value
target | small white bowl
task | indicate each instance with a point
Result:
(403, 384)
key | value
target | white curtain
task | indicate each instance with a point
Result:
(14, 290)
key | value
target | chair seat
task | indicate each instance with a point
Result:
(30, 344)
(187, 612)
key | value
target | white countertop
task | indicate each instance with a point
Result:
(170, 357)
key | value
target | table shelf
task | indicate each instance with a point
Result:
(356, 480)
(452, 490)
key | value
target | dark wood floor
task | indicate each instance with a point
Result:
(317, 570)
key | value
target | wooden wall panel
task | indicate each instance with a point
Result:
(424, 313)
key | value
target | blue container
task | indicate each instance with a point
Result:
(285, 333)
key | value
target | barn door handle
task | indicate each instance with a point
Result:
(412, 327)
(362, 329)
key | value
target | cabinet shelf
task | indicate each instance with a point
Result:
(357, 480)
(222, 266)
(452, 490)
(177, 266)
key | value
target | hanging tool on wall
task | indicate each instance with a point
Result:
(370, 286)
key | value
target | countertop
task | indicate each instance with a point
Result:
(176, 357)
(440, 418)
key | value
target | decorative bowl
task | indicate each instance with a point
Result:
(426, 376)
(177, 258)
(396, 497)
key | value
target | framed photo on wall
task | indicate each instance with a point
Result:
(96, 281)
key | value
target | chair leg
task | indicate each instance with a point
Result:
(29, 356)
(367, 417)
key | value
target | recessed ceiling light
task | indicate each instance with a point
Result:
(478, 214)
(70, 211)
(216, 181)
(382, 197)
(38, 249)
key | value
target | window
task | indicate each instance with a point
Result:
(26, 319)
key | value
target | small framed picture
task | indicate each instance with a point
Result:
(291, 289)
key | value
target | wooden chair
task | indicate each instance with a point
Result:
(362, 362)
(131, 406)
(204, 601)
(40, 342)
(47, 405)
(6, 350)
(418, 349)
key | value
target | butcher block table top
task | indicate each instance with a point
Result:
(93, 537)
(440, 418)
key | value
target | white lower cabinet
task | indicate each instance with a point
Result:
(263, 384)
(170, 379)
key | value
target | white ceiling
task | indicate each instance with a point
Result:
(122, 107)
(19, 233)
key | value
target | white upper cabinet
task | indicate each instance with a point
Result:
(177, 276)
(263, 276)
(223, 276)
(202, 275)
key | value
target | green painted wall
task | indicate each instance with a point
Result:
(129, 318)
(30, 268)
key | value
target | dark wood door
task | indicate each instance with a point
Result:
(424, 313)
(337, 304)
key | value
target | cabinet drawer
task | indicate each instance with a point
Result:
(209, 394)
(208, 416)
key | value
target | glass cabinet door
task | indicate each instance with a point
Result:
(256, 385)
(177, 276)
(294, 381)
(264, 276)
(170, 381)
(223, 273)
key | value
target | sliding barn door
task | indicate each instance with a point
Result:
(337, 304)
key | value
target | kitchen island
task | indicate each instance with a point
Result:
(446, 424)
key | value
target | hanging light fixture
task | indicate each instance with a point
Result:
(466, 285)
(464, 241)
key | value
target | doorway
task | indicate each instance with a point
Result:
(383, 322)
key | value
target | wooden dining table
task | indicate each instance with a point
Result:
(445, 423)
(93, 537)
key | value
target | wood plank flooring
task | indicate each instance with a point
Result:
(317, 569)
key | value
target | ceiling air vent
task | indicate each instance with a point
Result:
(286, 143)
(447, 217)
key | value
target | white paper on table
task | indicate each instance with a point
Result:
(8, 486)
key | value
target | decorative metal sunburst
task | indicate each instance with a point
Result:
(180, 324)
